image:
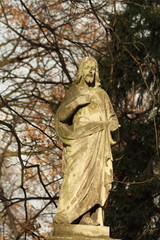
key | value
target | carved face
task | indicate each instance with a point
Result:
(89, 69)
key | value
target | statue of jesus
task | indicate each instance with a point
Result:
(84, 122)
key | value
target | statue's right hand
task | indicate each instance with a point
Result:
(83, 99)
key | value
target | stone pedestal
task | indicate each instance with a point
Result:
(79, 232)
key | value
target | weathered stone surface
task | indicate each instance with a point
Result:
(84, 122)
(79, 238)
(79, 232)
(78, 229)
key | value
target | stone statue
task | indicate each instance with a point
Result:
(84, 122)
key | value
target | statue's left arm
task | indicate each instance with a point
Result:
(111, 115)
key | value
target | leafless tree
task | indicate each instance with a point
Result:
(41, 44)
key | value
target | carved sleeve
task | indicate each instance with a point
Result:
(68, 109)
(111, 115)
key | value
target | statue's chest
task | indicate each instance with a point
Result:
(95, 111)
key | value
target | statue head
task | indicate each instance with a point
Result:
(88, 72)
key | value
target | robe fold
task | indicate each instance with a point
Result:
(84, 128)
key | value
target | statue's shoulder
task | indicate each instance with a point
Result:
(76, 90)
(102, 92)
(71, 93)
(72, 88)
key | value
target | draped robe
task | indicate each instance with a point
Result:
(87, 159)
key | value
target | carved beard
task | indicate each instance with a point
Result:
(90, 80)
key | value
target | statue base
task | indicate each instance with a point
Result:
(79, 232)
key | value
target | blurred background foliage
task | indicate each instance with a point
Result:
(132, 63)
(41, 45)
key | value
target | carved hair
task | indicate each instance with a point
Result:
(79, 77)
